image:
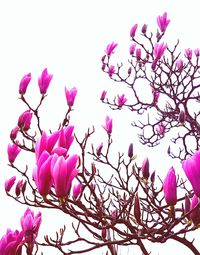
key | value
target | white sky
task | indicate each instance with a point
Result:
(69, 38)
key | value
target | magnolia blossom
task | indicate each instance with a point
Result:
(44, 81)
(70, 96)
(179, 65)
(108, 125)
(132, 49)
(30, 224)
(24, 83)
(24, 120)
(163, 22)
(13, 150)
(133, 30)
(63, 172)
(77, 190)
(191, 167)
(111, 71)
(121, 100)
(169, 187)
(103, 95)
(11, 243)
(159, 50)
(110, 48)
(14, 132)
(197, 52)
(9, 183)
(145, 168)
(188, 53)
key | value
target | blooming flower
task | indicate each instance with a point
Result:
(133, 30)
(70, 96)
(110, 48)
(44, 81)
(188, 53)
(11, 243)
(24, 83)
(24, 120)
(121, 100)
(163, 22)
(9, 183)
(159, 50)
(111, 71)
(108, 125)
(30, 225)
(13, 150)
(64, 171)
(191, 167)
(42, 174)
(66, 138)
(169, 187)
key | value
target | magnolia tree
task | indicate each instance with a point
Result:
(130, 205)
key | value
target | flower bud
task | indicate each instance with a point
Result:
(70, 96)
(132, 49)
(103, 233)
(13, 150)
(13, 133)
(138, 54)
(98, 150)
(18, 187)
(133, 30)
(44, 81)
(9, 183)
(129, 70)
(137, 212)
(145, 168)
(24, 120)
(144, 29)
(24, 83)
(197, 52)
(181, 116)
(195, 214)
(77, 190)
(152, 177)
(169, 187)
(130, 150)
(187, 206)
(103, 95)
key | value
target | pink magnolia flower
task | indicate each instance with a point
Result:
(42, 174)
(24, 120)
(13, 150)
(64, 171)
(30, 225)
(145, 168)
(103, 95)
(163, 22)
(24, 83)
(110, 48)
(169, 187)
(111, 71)
(13, 133)
(11, 243)
(197, 52)
(108, 125)
(159, 50)
(188, 53)
(9, 183)
(70, 96)
(191, 167)
(138, 54)
(179, 65)
(160, 129)
(99, 149)
(132, 49)
(195, 214)
(66, 137)
(133, 30)
(46, 143)
(44, 81)
(77, 190)
(121, 100)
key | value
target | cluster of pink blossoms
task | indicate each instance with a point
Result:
(13, 241)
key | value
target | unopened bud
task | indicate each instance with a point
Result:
(129, 70)
(99, 149)
(103, 58)
(103, 95)
(103, 67)
(103, 233)
(181, 116)
(137, 212)
(144, 29)
(187, 206)
(145, 168)
(13, 133)
(152, 177)
(18, 187)
(130, 151)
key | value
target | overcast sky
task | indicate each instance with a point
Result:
(69, 38)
